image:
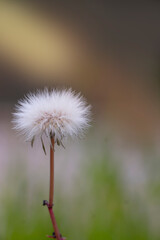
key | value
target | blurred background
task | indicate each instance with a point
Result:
(107, 185)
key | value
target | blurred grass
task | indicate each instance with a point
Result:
(98, 208)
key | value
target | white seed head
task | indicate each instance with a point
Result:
(56, 113)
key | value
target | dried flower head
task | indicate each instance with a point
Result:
(56, 114)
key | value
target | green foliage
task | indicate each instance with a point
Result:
(98, 208)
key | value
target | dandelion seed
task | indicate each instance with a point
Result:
(59, 114)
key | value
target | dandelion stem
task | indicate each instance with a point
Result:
(58, 236)
(51, 191)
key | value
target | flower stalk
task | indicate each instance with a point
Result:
(51, 194)
(51, 188)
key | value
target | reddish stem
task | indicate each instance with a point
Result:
(51, 187)
(51, 192)
(54, 223)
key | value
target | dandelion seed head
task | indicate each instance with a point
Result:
(59, 114)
